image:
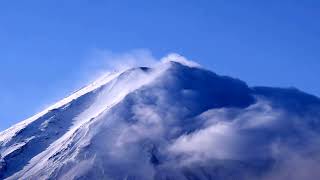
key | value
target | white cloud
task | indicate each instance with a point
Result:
(216, 141)
(180, 59)
(228, 133)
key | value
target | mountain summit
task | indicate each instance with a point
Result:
(176, 120)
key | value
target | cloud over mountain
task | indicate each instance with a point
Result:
(174, 120)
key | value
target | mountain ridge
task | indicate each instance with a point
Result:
(159, 119)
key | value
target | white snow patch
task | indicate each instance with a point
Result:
(6, 135)
(113, 93)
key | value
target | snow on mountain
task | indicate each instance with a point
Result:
(176, 120)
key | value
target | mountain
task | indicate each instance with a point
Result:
(173, 121)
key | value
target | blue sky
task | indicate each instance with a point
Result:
(46, 47)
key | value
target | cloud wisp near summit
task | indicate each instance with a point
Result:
(174, 120)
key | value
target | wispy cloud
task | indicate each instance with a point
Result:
(178, 58)
(102, 60)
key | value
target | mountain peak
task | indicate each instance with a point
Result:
(171, 121)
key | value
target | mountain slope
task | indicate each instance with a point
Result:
(173, 121)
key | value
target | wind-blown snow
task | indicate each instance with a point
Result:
(9, 133)
(173, 121)
(174, 57)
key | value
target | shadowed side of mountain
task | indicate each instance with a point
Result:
(290, 98)
(172, 121)
(143, 122)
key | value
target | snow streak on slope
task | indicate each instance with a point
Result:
(109, 94)
(6, 135)
(174, 121)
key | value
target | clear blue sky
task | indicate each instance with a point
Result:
(44, 45)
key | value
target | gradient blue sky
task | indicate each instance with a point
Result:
(46, 46)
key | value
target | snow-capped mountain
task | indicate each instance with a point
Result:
(176, 120)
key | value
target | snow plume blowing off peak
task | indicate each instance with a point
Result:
(174, 57)
(173, 120)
